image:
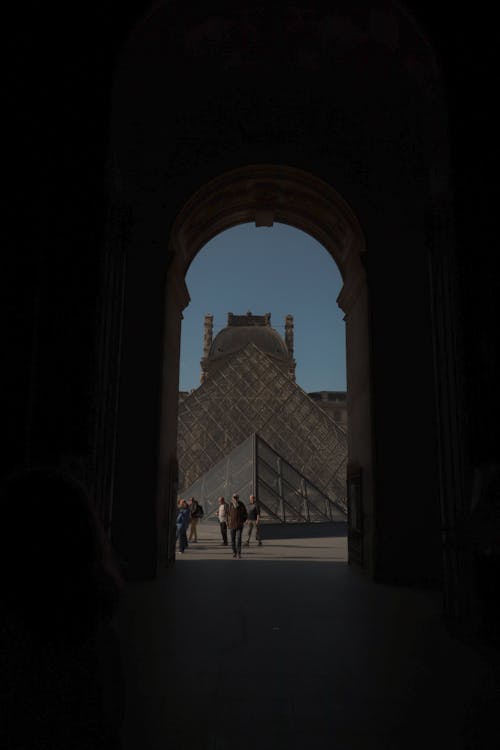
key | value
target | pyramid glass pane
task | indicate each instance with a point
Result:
(271, 504)
(295, 505)
(270, 477)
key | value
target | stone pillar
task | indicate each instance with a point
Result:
(208, 329)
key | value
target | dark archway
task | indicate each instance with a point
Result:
(190, 111)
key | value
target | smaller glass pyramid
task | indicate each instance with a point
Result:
(284, 494)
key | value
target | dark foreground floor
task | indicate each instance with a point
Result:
(290, 648)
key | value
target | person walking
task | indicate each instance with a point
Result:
(253, 521)
(196, 512)
(222, 516)
(182, 522)
(236, 516)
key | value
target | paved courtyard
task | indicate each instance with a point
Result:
(291, 648)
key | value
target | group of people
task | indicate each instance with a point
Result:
(233, 516)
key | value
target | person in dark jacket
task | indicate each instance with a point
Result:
(196, 512)
(253, 521)
(236, 517)
(182, 523)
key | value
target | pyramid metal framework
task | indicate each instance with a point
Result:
(248, 395)
(285, 495)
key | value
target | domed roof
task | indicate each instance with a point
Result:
(234, 338)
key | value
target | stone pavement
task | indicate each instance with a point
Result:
(292, 648)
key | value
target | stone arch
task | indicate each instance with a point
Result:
(263, 194)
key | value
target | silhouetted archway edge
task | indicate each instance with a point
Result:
(264, 194)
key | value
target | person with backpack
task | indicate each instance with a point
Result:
(236, 517)
(196, 512)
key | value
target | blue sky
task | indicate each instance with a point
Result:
(275, 269)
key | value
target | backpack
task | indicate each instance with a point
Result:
(198, 512)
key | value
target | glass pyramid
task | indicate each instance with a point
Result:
(250, 395)
(285, 495)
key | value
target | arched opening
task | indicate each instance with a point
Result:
(262, 401)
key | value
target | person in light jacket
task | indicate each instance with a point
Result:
(222, 516)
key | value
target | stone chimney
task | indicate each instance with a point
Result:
(289, 345)
(289, 334)
(208, 330)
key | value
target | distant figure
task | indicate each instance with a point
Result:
(236, 517)
(60, 662)
(222, 516)
(253, 521)
(182, 522)
(196, 514)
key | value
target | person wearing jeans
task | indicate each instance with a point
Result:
(182, 522)
(236, 517)
(253, 521)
